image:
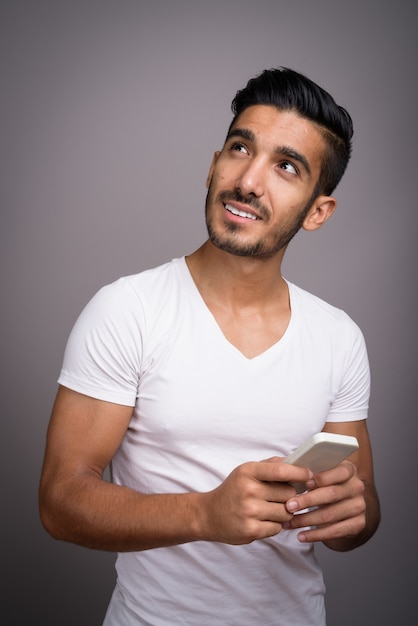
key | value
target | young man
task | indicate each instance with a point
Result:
(195, 378)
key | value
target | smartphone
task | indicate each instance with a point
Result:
(321, 452)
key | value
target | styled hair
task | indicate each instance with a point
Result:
(288, 90)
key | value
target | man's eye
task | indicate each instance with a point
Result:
(288, 167)
(239, 147)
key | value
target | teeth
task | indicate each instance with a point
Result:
(240, 213)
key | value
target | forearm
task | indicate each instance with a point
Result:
(372, 521)
(95, 514)
(248, 505)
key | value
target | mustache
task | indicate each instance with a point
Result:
(251, 201)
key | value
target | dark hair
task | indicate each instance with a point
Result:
(288, 90)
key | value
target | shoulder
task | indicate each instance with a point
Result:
(321, 317)
(136, 305)
(157, 279)
(134, 290)
(307, 304)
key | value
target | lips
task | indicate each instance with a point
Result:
(240, 212)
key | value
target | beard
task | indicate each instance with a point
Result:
(228, 240)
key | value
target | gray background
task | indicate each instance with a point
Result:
(110, 113)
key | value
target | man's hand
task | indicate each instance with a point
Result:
(251, 503)
(336, 506)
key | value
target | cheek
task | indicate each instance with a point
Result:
(216, 184)
(218, 176)
(291, 200)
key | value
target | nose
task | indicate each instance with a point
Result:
(251, 179)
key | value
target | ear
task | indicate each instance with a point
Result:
(322, 208)
(212, 167)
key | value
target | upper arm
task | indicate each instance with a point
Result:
(83, 435)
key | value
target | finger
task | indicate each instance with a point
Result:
(340, 474)
(329, 515)
(317, 497)
(345, 528)
(271, 471)
(275, 512)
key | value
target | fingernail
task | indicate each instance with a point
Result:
(292, 505)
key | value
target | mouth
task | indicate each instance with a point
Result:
(240, 212)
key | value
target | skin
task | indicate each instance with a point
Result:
(268, 167)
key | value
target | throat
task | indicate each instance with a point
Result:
(251, 305)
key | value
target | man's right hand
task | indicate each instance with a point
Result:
(250, 503)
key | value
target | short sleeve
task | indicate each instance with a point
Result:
(352, 400)
(102, 358)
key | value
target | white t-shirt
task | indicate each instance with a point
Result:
(200, 409)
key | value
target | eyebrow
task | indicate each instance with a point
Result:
(287, 151)
(245, 133)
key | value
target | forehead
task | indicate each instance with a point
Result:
(273, 128)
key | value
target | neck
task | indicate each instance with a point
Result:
(248, 297)
(235, 280)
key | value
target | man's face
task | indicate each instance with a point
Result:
(263, 183)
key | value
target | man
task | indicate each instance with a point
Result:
(195, 379)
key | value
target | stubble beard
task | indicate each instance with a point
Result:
(228, 240)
